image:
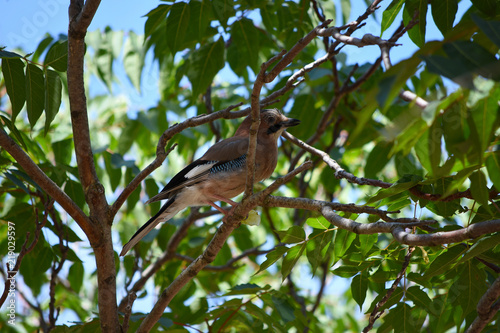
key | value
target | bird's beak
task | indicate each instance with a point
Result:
(290, 122)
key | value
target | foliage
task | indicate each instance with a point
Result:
(439, 162)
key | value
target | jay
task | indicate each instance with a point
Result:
(220, 174)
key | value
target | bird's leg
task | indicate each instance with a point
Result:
(226, 200)
(220, 209)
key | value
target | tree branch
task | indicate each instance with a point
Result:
(51, 188)
(25, 249)
(254, 127)
(487, 308)
(376, 313)
(80, 18)
(446, 237)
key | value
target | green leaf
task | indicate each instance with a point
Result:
(75, 276)
(133, 198)
(468, 288)
(35, 93)
(7, 54)
(53, 90)
(16, 182)
(272, 257)
(75, 192)
(291, 258)
(420, 298)
(346, 271)
(223, 10)
(63, 151)
(294, 234)
(115, 173)
(377, 159)
(104, 64)
(479, 188)
(42, 46)
(366, 243)
(393, 80)
(128, 135)
(15, 83)
(428, 149)
(403, 184)
(359, 286)
(390, 14)
(317, 247)
(443, 13)
(474, 57)
(177, 25)
(346, 10)
(245, 37)
(205, 63)
(152, 189)
(133, 59)
(482, 245)
(318, 223)
(405, 318)
(490, 28)
(27, 178)
(165, 322)
(444, 261)
(38, 260)
(245, 289)
(284, 308)
(493, 165)
(155, 18)
(201, 14)
(301, 109)
(57, 56)
(417, 33)
(483, 120)
(342, 242)
(487, 7)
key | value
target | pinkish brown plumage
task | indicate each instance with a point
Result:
(220, 174)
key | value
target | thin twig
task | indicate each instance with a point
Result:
(25, 249)
(377, 311)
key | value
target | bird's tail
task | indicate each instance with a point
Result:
(166, 212)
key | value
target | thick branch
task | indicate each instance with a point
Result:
(79, 22)
(487, 308)
(311, 204)
(80, 16)
(472, 231)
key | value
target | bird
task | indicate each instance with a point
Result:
(220, 174)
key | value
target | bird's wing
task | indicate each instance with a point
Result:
(227, 150)
(190, 175)
(223, 155)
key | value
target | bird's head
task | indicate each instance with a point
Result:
(272, 124)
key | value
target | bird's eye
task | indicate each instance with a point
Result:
(271, 120)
